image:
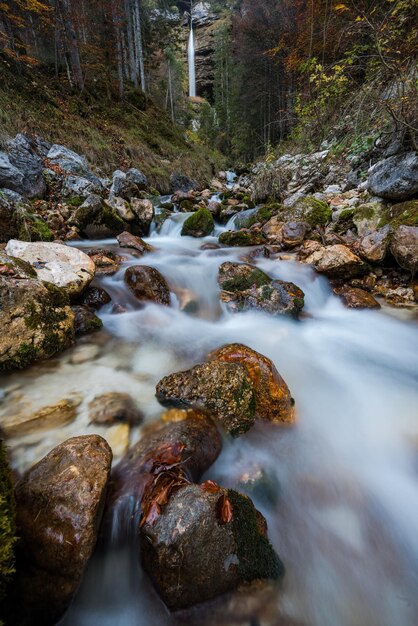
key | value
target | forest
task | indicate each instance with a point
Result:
(208, 312)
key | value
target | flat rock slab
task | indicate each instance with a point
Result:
(55, 263)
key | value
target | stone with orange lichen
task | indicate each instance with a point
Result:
(274, 402)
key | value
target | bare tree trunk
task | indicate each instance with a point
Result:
(131, 50)
(119, 49)
(72, 44)
(138, 43)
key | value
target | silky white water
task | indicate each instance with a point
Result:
(342, 498)
(192, 63)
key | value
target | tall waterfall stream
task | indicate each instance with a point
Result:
(343, 505)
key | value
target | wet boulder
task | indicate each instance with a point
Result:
(127, 240)
(114, 407)
(147, 284)
(224, 390)
(243, 237)
(143, 210)
(404, 247)
(95, 297)
(85, 320)
(337, 261)
(88, 212)
(222, 543)
(61, 265)
(245, 287)
(35, 321)
(121, 207)
(273, 400)
(200, 224)
(16, 221)
(59, 505)
(355, 298)
(186, 441)
(374, 246)
(395, 178)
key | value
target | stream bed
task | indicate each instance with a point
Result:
(339, 489)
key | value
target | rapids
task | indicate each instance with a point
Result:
(342, 483)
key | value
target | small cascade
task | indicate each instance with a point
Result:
(192, 63)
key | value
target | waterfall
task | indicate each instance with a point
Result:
(191, 59)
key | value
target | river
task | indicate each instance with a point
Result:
(341, 496)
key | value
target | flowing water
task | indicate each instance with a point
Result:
(340, 487)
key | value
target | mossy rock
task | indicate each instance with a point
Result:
(112, 221)
(75, 202)
(244, 237)
(160, 218)
(167, 206)
(33, 228)
(187, 205)
(367, 217)
(402, 214)
(344, 221)
(244, 279)
(200, 224)
(7, 522)
(309, 209)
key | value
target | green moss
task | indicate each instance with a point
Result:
(247, 280)
(242, 238)
(160, 218)
(24, 355)
(256, 556)
(167, 206)
(7, 522)
(33, 228)
(318, 213)
(75, 202)
(111, 220)
(402, 214)
(200, 224)
(187, 205)
(58, 297)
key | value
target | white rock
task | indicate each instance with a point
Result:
(56, 263)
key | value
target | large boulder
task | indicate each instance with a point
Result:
(35, 319)
(245, 287)
(21, 168)
(337, 261)
(129, 184)
(60, 504)
(200, 224)
(395, 178)
(224, 390)
(273, 400)
(179, 182)
(207, 541)
(147, 284)
(67, 160)
(404, 247)
(55, 263)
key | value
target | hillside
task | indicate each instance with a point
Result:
(110, 133)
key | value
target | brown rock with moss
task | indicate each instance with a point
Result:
(245, 287)
(59, 505)
(273, 400)
(222, 544)
(224, 390)
(147, 284)
(36, 321)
